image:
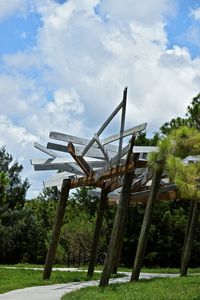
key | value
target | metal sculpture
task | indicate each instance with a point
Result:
(99, 163)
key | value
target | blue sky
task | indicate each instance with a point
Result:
(64, 65)
(19, 32)
(178, 27)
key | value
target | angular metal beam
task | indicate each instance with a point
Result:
(92, 152)
(77, 140)
(63, 160)
(45, 150)
(127, 132)
(105, 124)
(101, 147)
(122, 124)
(59, 167)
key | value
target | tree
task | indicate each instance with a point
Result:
(3, 185)
(193, 112)
(143, 140)
(84, 201)
(15, 192)
(192, 118)
(185, 141)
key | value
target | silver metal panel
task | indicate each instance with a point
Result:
(144, 149)
(57, 179)
(77, 140)
(92, 152)
(59, 167)
(50, 161)
(127, 132)
(45, 150)
(191, 159)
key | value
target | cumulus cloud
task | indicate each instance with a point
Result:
(15, 134)
(144, 11)
(86, 52)
(8, 8)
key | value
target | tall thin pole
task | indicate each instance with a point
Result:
(56, 228)
(146, 225)
(119, 222)
(122, 122)
(100, 214)
(189, 239)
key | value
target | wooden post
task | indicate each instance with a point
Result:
(192, 222)
(119, 223)
(56, 228)
(146, 225)
(187, 230)
(119, 250)
(97, 231)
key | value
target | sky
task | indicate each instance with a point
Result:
(64, 65)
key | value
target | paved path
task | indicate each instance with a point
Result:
(56, 291)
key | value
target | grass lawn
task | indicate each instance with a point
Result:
(169, 270)
(184, 288)
(121, 269)
(12, 279)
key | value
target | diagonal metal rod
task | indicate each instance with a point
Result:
(101, 147)
(122, 123)
(105, 124)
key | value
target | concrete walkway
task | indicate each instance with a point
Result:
(56, 291)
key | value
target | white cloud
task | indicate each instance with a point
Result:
(195, 13)
(8, 8)
(144, 11)
(16, 135)
(83, 60)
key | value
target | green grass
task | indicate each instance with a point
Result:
(169, 270)
(26, 265)
(184, 288)
(121, 269)
(152, 270)
(11, 279)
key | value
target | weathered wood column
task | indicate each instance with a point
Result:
(146, 225)
(118, 250)
(56, 228)
(187, 230)
(120, 220)
(118, 226)
(100, 214)
(189, 237)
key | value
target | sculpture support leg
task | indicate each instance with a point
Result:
(189, 237)
(146, 225)
(97, 231)
(119, 223)
(118, 251)
(56, 228)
